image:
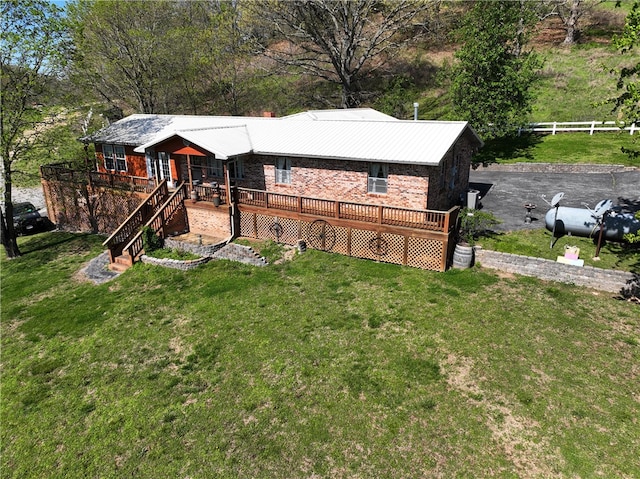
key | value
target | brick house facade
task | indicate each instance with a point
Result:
(359, 156)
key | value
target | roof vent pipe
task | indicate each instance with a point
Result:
(415, 111)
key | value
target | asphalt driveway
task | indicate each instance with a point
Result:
(504, 193)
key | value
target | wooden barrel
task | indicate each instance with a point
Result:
(462, 256)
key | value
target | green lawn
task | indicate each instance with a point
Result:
(570, 148)
(536, 243)
(324, 366)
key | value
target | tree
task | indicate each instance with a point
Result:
(340, 41)
(493, 76)
(34, 42)
(570, 12)
(122, 51)
(628, 102)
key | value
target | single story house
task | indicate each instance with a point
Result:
(357, 155)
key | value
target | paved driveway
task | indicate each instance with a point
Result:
(504, 193)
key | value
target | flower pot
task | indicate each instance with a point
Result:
(462, 256)
(216, 199)
(194, 195)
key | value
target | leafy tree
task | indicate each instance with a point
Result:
(34, 43)
(340, 41)
(494, 75)
(627, 104)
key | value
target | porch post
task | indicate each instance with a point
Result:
(189, 170)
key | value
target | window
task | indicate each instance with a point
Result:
(121, 159)
(107, 153)
(214, 167)
(236, 169)
(114, 158)
(283, 170)
(378, 177)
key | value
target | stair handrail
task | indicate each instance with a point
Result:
(136, 240)
(130, 219)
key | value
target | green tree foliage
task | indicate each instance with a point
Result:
(33, 39)
(162, 57)
(494, 74)
(627, 104)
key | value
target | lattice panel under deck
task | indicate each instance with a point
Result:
(267, 229)
(360, 240)
(425, 253)
(246, 225)
(342, 240)
(289, 233)
(394, 248)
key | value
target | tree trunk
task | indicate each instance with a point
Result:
(571, 24)
(8, 234)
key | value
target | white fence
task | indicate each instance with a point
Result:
(571, 126)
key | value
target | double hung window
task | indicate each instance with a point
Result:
(114, 158)
(378, 178)
(283, 170)
(214, 167)
(237, 169)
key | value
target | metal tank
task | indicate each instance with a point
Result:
(585, 222)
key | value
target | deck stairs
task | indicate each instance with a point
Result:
(157, 211)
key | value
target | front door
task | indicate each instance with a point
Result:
(164, 166)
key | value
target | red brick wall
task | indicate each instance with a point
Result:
(409, 186)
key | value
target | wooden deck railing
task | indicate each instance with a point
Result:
(431, 220)
(63, 172)
(135, 220)
(206, 192)
(158, 221)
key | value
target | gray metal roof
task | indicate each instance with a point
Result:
(361, 135)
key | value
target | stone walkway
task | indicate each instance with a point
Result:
(97, 270)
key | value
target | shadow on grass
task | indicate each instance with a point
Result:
(507, 148)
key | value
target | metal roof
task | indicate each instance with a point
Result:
(360, 135)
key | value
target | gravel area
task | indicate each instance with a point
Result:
(34, 195)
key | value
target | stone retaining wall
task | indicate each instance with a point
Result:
(206, 251)
(554, 168)
(588, 276)
(243, 254)
(183, 265)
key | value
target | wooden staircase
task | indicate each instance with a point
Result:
(121, 263)
(157, 211)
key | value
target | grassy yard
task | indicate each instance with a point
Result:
(324, 366)
(536, 243)
(571, 148)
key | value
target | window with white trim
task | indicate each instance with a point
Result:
(283, 170)
(114, 158)
(107, 154)
(121, 159)
(378, 178)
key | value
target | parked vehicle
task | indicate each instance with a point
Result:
(27, 219)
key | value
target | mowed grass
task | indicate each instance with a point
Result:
(563, 148)
(323, 366)
(540, 243)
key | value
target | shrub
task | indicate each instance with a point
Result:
(150, 240)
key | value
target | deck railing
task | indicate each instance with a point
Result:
(386, 215)
(137, 218)
(158, 221)
(63, 172)
(206, 192)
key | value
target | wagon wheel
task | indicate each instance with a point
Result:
(276, 229)
(322, 236)
(378, 246)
